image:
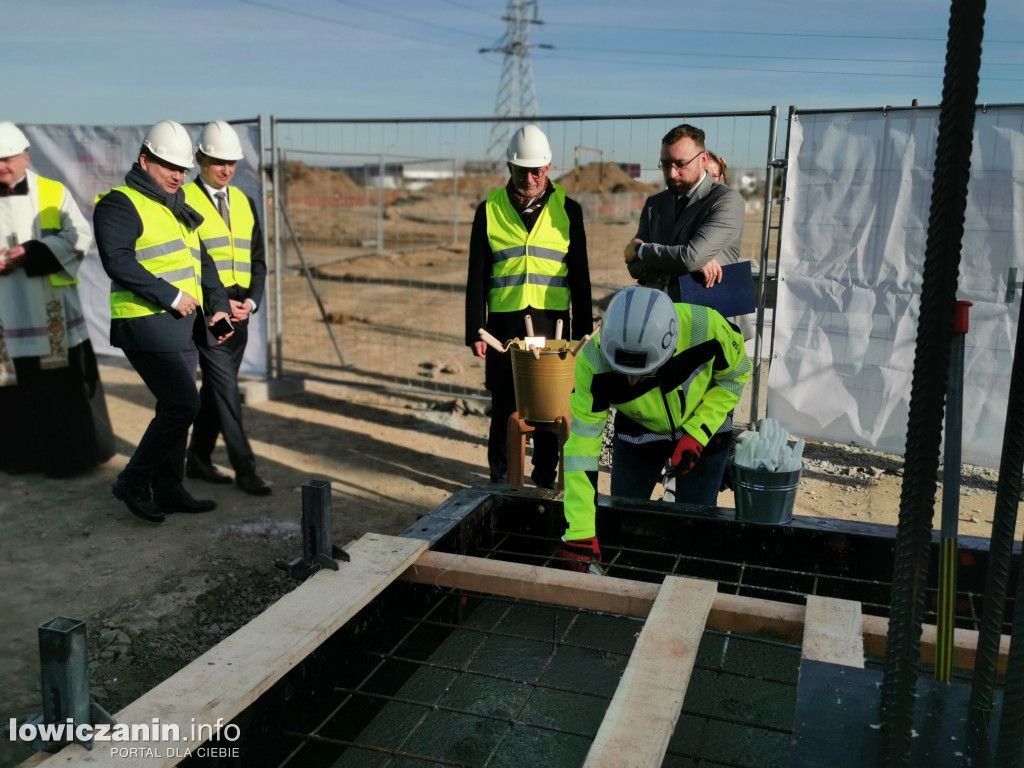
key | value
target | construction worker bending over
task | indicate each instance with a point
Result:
(231, 233)
(673, 372)
(527, 256)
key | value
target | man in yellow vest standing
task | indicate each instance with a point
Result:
(231, 233)
(164, 292)
(52, 408)
(527, 256)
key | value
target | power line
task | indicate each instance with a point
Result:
(392, 15)
(716, 67)
(338, 22)
(681, 30)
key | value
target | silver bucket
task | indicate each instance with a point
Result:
(764, 497)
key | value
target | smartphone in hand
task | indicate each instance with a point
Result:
(222, 327)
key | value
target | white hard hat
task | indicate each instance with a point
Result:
(220, 142)
(169, 141)
(529, 148)
(12, 140)
(639, 331)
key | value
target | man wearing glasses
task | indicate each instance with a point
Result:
(693, 226)
(527, 256)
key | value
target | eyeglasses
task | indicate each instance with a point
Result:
(677, 166)
(529, 171)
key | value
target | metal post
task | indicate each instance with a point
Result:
(261, 173)
(380, 205)
(762, 277)
(951, 470)
(64, 659)
(275, 159)
(455, 201)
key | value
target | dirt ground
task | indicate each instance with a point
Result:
(157, 596)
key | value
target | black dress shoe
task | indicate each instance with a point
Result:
(184, 502)
(254, 484)
(197, 469)
(139, 500)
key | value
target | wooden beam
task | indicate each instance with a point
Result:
(642, 715)
(834, 631)
(733, 613)
(234, 673)
(533, 582)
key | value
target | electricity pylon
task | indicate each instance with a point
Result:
(517, 93)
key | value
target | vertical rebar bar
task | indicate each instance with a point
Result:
(931, 362)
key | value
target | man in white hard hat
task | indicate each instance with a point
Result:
(527, 256)
(672, 372)
(51, 400)
(164, 294)
(231, 232)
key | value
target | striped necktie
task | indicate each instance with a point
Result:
(222, 206)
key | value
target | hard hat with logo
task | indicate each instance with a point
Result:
(529, 148)
(12, 140)
(220, 142)
(639, 331)
(169, 141)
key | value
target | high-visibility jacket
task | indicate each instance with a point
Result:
(50, 195)
(692, 393)
(167, 249)
(528, 268)
(231, 250)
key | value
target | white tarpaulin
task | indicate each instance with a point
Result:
(90, 160)
(858, 191)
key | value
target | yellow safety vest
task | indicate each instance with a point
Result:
(528, 269)
(50, 194)
(230, 249)
(167, 249)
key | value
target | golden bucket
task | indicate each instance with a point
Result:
(543, 384)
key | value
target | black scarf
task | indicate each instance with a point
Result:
(144, 184)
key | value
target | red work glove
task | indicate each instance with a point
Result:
(582, 555)
(685, 456)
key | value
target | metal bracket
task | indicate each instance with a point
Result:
(1012, 285)
(64, 663)
(318, 549)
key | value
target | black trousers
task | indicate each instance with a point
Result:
(545, 443)
(220, 410)
(159, 459)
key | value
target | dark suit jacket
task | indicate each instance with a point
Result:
(258, 256)
(117, 226)
(709, 227)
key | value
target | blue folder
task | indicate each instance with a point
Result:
(733, 296)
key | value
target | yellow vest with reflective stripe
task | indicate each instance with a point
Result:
(528, 268)
(167, 249)
(230, 249)
(50, 194)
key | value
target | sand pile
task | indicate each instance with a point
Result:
(603, 177)
(470, 186)
(308, 181)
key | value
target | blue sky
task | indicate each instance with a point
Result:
(138, 61)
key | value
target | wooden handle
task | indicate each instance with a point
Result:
(580, 344)
(529, 325)
(492, 342)
(558, 329)
(535, 352)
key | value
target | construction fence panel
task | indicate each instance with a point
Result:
(374, 220)
(858, 197)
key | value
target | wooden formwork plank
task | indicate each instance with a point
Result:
(234, 673)
(533, 582)
(834, 631)
(965, 644)
(643, 712)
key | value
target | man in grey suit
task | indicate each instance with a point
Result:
(693, 226)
